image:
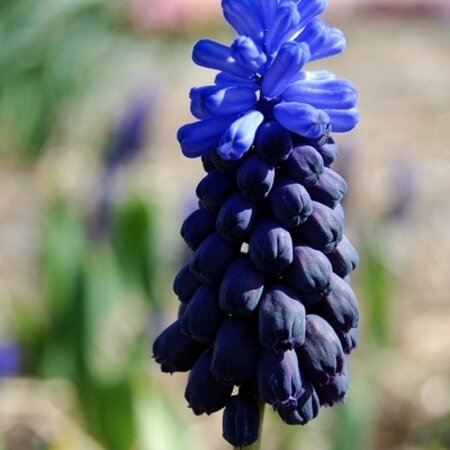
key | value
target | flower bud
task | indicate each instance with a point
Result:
(304, 165)
(204, 304)
(241, 419)
(273, 143)
(321, 357)
(329, 189)
(270, 247)
(241, 287)
(185, 284)
(290, 202)
(279, 382)
(236, 218)
(175, 351)
(196, 227)
(214, 189)
(205, 264)
(339, 307)
(235, 351)
(344, 258)
(281, 319)
(323, 228)
(255, 178)
(204, 394)
(309, 274)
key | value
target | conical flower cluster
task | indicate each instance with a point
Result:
(266, 302)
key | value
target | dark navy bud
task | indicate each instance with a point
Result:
(304, 165)
(349, 341)
(235, 351)
(185, 284)
(323, 228)
(279, 382)
(270, 247)
(329, 189)
(290, 202)
(208, 165)
(227, 166)
(181, 310)
(197, 227)
(175, 351)
(203, 316)
(329, 151)
(241, 421)
(309, 274)
(204, 394)
(211, 259)
(241, 287)
(281, 319)
(273, 142)
(214, 189)
(335, 391)
(307, 409)
(339, 308)
(321, 357)
(344, 258)
(255, 178)
(236, 218)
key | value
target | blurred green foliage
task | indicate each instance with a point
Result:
(52, 51)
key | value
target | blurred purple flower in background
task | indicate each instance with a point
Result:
(127, 140)
(10, 358)
(404, 187)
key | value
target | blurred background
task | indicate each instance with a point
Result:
(93, 189)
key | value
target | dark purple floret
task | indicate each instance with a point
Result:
(197, 227)
(279, 382)
(309, 274)
(236, 218)
(281, 319)
(329, 189)
(308, 405)
(339, 308)
(304, 165)
(321, 357)
(241, 287)
(349, 341)
(290, 202)
(226, 166)
(344, 258)
(329, 151)
(273, 142)
(323, 228)
(241, 419)
(204, 394)
(185, 284)
(211, 259)
(214, 189)
(335, 391)
(255, 178)
(235, 351)
(10, 358)
(175, 351)
(204, 303)
(270, 247)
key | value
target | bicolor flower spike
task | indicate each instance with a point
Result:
(266, 302)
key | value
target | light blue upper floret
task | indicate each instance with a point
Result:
(261, 78)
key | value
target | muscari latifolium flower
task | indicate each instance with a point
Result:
(277, 315)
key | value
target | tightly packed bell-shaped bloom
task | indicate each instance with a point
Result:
(265, 298)
(241, 418)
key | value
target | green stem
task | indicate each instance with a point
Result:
(256, 445)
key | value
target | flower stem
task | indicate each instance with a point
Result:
(256, 445)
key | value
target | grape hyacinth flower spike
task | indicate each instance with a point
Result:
(266, 300)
